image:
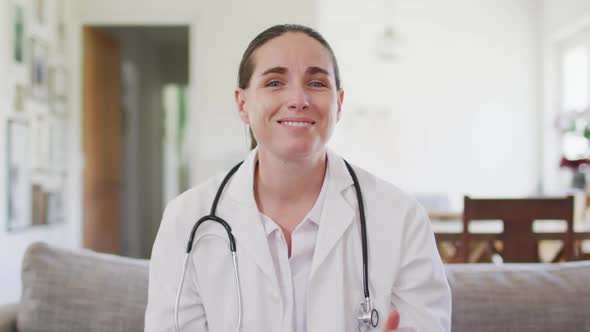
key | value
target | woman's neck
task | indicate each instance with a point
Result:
(279, 182)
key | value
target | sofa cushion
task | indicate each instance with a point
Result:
(520, 297)
(81, 291)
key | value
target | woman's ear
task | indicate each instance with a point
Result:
(240, 96)
(339, 101)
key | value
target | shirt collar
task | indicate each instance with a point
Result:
(314, 215)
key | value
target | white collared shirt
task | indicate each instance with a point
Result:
(411, 278)
(293, 273)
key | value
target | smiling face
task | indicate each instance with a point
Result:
(291, 102)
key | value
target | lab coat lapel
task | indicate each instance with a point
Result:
(337, 212)
(244, 218)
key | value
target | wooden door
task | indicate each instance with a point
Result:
(101, 122)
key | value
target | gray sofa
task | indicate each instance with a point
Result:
(84, 291)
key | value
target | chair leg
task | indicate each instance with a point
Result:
(477, 253)
(560, 256)
(457, 257)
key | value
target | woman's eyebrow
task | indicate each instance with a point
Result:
(316, 70)
(283, 70)
(275, 70)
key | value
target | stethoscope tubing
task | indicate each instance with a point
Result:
(238, 288)
(361, 206)
(232, 245)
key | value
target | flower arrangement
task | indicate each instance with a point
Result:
(575, 130)
(573, 164)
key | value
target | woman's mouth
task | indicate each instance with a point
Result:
(296, 123)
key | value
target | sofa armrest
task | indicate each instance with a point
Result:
(8, 314)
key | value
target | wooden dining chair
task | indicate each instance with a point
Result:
(519, 242)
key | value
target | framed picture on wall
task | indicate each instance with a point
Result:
(40, 143)
(34, 139)
(61, 28)
(18, 28)
(57, 138)
(38, 205)
(39, 70)
(45, 128)
(58, 83)
(18, 182)
(20, 95)
(55, 211)
(40, 12)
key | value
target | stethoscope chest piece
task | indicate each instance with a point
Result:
(367, 315)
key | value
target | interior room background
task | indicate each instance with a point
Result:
(442, 98)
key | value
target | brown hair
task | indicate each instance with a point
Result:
(247, 64)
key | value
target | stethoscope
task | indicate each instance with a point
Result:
(367, 315)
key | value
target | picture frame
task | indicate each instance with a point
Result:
(58, 83)
(55, 207)
(58, 142)
(38, 205)
(61, 28)
(41, 144)
(40, 12)
(18, 37)
(38, 70)
(49, 144)
(18, 180)
(45, 146)
(19, 98)
(37, 139)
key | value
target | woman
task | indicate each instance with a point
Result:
(295, 216)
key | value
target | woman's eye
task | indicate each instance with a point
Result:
(317, 84)
(273, 83)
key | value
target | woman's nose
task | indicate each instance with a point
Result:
(298, 99)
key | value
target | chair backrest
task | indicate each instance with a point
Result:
(519, 243)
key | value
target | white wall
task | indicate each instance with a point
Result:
(561, 14)
(66, 234)
(456, 110)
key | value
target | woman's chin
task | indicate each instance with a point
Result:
(293, 150)
(299, 150)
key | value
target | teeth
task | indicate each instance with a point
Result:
(295, 124)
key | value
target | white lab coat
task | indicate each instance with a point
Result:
(405, 270)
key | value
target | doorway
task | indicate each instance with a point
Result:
(134, 159)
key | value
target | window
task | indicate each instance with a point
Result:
(573, 104)
(575, 79)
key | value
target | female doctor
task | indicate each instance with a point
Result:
(295, 216)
